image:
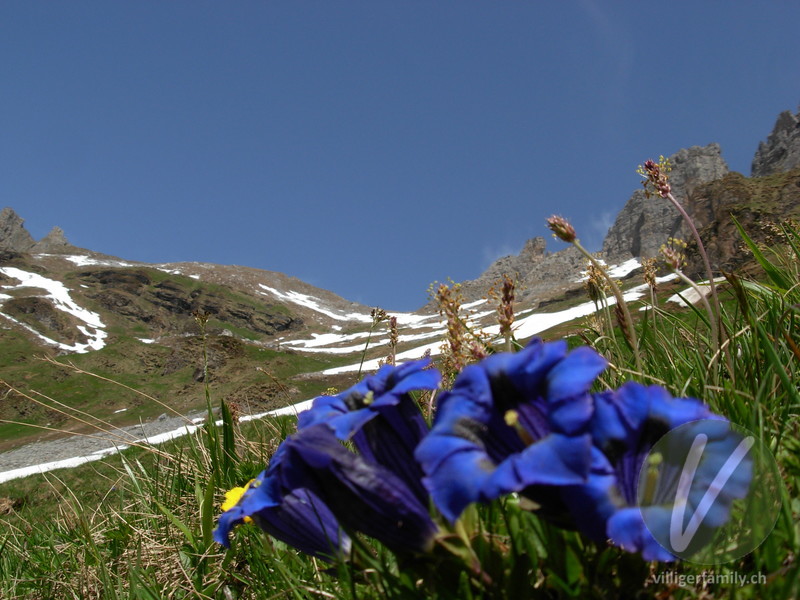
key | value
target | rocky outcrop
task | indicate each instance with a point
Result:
(538, 273)
(169, 306)
(13, 235)
(644, 224)
(781, 151)
(515, 266)
(54, 242)
(640, 229)
(758, 204)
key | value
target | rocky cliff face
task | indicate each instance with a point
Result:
(756, 203)
(640, 229)
(13, 235)
(711, 194)
(781, 151)
(644, 224)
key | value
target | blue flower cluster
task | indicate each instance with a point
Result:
(316, 488)
(524, 423)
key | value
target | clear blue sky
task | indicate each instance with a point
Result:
(368, 147)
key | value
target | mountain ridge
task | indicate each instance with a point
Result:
(271, 339)
(699, 175)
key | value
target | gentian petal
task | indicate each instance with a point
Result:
(299, 519)
(627, 530)
(555, 460)
(575, 374)
(570, 415)
(594, 502)
(412, 376)
(494, 432)
(364, 496)
(457, 471)
(304, 521)
(391, 439)
(626, 425)
(348, 411)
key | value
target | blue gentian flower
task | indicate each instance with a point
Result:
(625, 426)
(381, 418)
(299, 519)
(317, 482)
(364, 496)
(512, 423)
(376, 490)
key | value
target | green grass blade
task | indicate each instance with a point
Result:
(777, 276)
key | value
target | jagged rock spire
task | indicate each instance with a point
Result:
(781, 151)
(55, 241)
(646, 223)
(13, 235)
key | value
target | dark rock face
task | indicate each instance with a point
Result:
(781, 151)
(644, 224)
(13, 235)
(756, 203)
(533, 252)
(169, 305)
(41, 315)
(640, 229)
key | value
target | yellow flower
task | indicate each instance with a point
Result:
(233, 496)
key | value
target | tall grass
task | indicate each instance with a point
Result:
(140, 526)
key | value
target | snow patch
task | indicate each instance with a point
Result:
(315, 305)
(616, 271)
(59, 295)
(629, 266)
(691, 294)
(474, 304)
(82, 260)
(523, 328)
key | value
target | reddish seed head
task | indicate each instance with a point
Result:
(562, 229)
(656, 174)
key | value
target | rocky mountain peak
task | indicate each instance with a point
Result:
(644, 224)
(781, 151)
(54, 242)
(13, 235)
(534, 249)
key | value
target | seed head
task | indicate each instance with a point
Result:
(672, 255)
(562, 229)
(596, 283)
(649, 266)
(656, 177)
(378, 315)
